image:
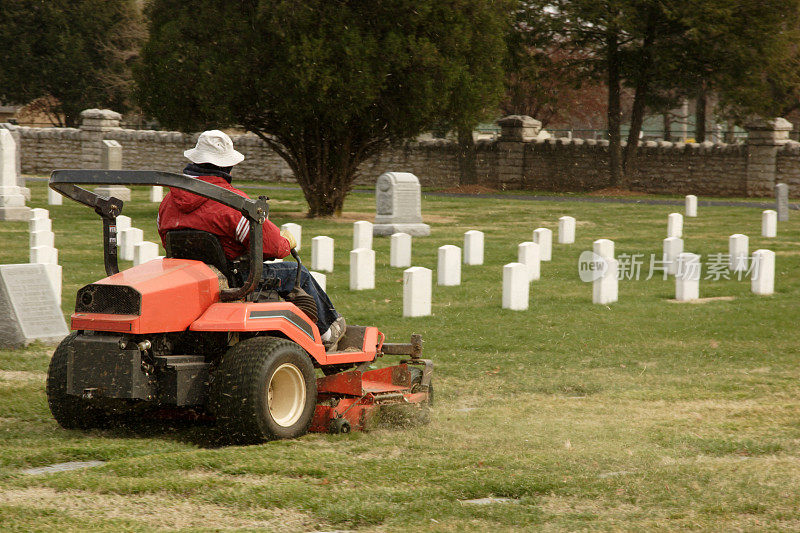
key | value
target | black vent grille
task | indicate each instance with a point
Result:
(109, 299)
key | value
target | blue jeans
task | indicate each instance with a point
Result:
(287, 273)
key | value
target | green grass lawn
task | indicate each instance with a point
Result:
(646, 414)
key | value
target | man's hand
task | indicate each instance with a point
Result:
(289, 237)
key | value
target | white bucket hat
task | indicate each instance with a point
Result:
(214, 147)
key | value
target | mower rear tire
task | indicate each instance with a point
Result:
(264, 389)
(71, 412)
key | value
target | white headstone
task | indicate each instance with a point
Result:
(769, 223)
(782, 201)
(417, 291)
(566, 230)
(110, 155)
(144, 251)
(44, 254)
(28, 307)
(400, 252)
(448, 272)
(528, 255)
(54, 275)
(156, 193)
(111, 159)
(38, 212)
(738, 245)
(362, 235)
(673, 247)
(362, 269)
(544, 238)
(42, 238)
(473, 247)
(123, 223)
(687, 277)
(12, 199)
(516, 287)
(296, 230)
(691, 205)
(675, 225)
(398, 206)
(604, 248)
(321, 279)
(605, 289)
(762, 280)
(322, 253)
(54, 197)
(130, 238)
(40, 224)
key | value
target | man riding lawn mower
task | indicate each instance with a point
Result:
(187, 331)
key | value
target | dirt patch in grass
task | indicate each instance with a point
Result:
(705, 300)
(158, 511)
(21, 375)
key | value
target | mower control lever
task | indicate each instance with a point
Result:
(299, 267)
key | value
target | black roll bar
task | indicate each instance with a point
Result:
(255, 211)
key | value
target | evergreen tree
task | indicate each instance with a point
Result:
(326, 83)
(74, 53)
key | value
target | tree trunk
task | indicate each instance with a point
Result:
(325, 204)
(700, 115)
(637, 118)
(468, 174)
(324, 165)
(640, 96)
(667, 126)
(614, 140)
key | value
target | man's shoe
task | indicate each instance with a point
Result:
(337, 331)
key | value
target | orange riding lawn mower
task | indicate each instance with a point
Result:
(196, 333)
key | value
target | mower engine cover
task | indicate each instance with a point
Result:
(159, 296)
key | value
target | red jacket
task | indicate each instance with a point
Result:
(184, 210)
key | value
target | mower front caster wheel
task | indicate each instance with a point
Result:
(264, 389)
(339, 425)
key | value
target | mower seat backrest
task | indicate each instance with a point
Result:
(200, 246)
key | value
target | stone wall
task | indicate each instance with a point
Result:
(706, 169)
(517, 161)
(45, 149)
(788, 167)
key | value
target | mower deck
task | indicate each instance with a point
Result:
(347, 400)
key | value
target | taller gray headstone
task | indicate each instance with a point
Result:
(12, 199)
(398, 205)
(782, 201)
(28, 307)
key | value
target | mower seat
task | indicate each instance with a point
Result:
(199, 246)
